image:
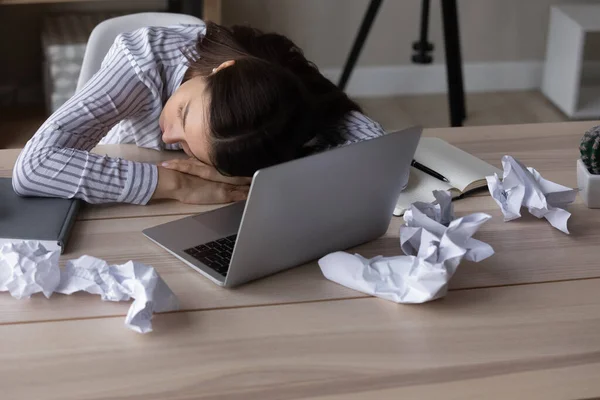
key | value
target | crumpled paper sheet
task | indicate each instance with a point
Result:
(435, 218)
(435, 243)
(525, 187)
(27, 268)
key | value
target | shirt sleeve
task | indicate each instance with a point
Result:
(356, 127)
(353, 127)
(56, 162)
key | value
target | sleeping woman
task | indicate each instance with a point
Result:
(233, 99)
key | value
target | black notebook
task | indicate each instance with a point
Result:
(47, 220)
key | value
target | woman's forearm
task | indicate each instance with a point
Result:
(57, 161)
(70, 173)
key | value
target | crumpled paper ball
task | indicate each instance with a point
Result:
(27, 268)
(433, 252)
(524, 187)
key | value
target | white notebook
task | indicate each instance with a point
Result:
(464, 171)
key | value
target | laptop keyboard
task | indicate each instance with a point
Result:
(216, 254)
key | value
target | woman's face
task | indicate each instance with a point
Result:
(184, 119)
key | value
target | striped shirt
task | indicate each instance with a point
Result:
(122, 103)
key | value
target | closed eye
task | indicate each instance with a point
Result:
(182, 113)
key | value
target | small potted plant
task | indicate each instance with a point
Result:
(588, 168)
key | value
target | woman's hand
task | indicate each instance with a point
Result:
(193, 166)
(191, 189)
(195, 190)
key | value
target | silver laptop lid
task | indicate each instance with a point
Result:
(303, 209)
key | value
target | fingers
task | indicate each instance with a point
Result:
(194, 190)
(221, 193)
(197, 168)
(224, 193)
(235, 193)
(214, 193)
(189, 166)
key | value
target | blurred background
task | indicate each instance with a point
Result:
(522, 61)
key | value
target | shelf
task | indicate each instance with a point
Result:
(589, 103)
(565, 81)
(211, 8)
(587, 16)
(9, 2)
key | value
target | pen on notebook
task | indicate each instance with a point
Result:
(429, 171)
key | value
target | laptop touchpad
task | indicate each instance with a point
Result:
(224, 221)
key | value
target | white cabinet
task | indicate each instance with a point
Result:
(570, 26)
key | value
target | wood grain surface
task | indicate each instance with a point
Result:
(528, 250)
(522, 324)
(362, 348)
(550, 148)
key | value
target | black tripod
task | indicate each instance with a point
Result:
(456, 96)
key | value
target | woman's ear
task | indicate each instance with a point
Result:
(223, 65)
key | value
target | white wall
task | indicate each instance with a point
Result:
(503, 41)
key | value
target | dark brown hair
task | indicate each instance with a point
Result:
(267, 106)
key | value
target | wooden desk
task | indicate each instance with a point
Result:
(524, 323)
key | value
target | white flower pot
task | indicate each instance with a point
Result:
(589, 186)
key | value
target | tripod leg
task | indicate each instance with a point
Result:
(363, 32)
(456, 95)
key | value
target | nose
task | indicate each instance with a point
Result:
(168, 136)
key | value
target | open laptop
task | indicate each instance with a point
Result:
(297, 211)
